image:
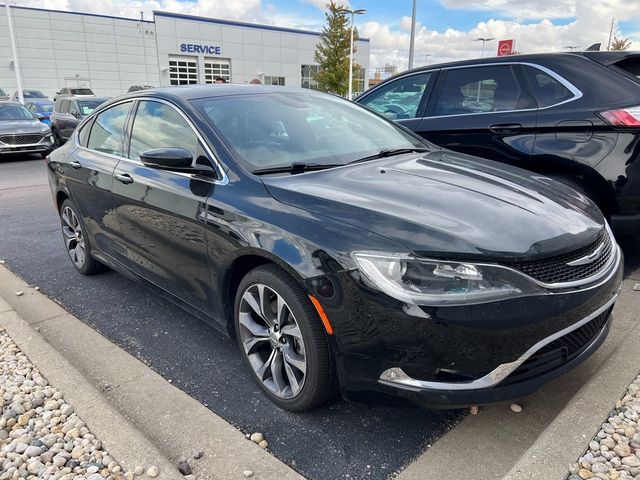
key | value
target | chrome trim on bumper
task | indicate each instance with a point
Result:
(396, 377)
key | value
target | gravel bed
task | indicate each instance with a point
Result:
(40, 434)
(614, 453)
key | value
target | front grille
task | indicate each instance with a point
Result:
(556, 270)
(560, 351)
(20, 139)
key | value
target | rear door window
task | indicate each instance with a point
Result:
(547, 89)
(64, 106)
(481, 90)
(401, 98)
(107, 131)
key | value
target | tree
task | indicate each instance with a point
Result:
(332, 52)
(620, 43)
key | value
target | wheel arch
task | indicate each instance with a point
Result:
(61, 196)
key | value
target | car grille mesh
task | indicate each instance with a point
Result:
(20, 139)
(560, 351)
(556, 270)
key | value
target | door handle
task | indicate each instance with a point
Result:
(123, 178)
(506, 128)
(75, 165)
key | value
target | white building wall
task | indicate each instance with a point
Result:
(58, 49)
(253, 51)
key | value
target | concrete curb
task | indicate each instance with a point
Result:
(120, 438)
(556, 423)
(171, 423)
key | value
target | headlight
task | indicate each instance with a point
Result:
(439, 282)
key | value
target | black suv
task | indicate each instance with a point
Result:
(571, 116)
(68, 112)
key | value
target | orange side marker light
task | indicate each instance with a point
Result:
(323, 316)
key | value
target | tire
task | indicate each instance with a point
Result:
(579, 186)
(76, 242)
(44, 154)
(57, 139)
(296, 373)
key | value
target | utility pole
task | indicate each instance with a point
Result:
(14, 49)
(610, 34)
(412, 42)
(484, 40)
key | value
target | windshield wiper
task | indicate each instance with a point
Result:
(391, 152)
(296, 167)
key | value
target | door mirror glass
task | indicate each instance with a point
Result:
(176, 159)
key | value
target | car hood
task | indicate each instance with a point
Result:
(443, 203)
(22, 126)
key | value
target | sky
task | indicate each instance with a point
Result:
(445, 29)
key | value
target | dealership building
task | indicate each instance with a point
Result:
(59, 49)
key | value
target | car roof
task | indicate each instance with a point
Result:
(84, 97)
(192, 92)
(10, 102)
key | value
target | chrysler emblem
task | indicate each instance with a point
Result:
(592, 257)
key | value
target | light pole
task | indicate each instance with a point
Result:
(412, 41)
(353, 12)
(484, 40)
(14, 51)
(572, 47)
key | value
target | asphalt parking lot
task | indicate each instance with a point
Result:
(340, 440)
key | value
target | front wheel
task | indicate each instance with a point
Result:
(282, 340)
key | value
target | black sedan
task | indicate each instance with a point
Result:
(338, 248)
(574, 117)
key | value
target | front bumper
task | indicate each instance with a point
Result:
(465, 355)
(43, 146)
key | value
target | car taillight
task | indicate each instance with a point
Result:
(623, 117)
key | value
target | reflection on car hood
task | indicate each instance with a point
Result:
(21, 126)
(444, 202)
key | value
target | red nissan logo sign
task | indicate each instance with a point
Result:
(505, 47)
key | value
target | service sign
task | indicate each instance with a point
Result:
(505, 47)
(197, 48)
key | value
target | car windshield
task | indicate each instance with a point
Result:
(45, 107)
(33, 94)
(88, 106)
(2, 92)
(81, 91)
(14, 112)
(279, 129)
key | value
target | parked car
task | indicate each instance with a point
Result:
(73, 92)
(29, 95)
(22, 132)
(338, 247)
(68, 112)
(3, 96)
(41, 109)
(137, 88)
(574, 117)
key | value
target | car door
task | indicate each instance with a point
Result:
(89, 174)
(161, 212)
(402, 99)
(485, 110)
(62, 119)
(73, 118)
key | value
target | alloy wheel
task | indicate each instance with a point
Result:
(73, 237)
(272, 341)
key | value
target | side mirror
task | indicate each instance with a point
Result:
(177, 159)
(75, 113)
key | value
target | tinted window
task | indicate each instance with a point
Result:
(32, 94)
(83, 135)
(14, 112)
(276, 130)
(107, 131)
(479, 90)
(400, 98)
(81, 91)
(64, 106)
(547, 90)
(157, 125)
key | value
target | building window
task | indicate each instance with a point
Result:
(359, 80)
(308, 74)
(271, 80)
(183, 71)
(216, 67)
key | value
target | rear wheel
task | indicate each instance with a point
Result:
(76, 241)
(57, 139)
(282, 340)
